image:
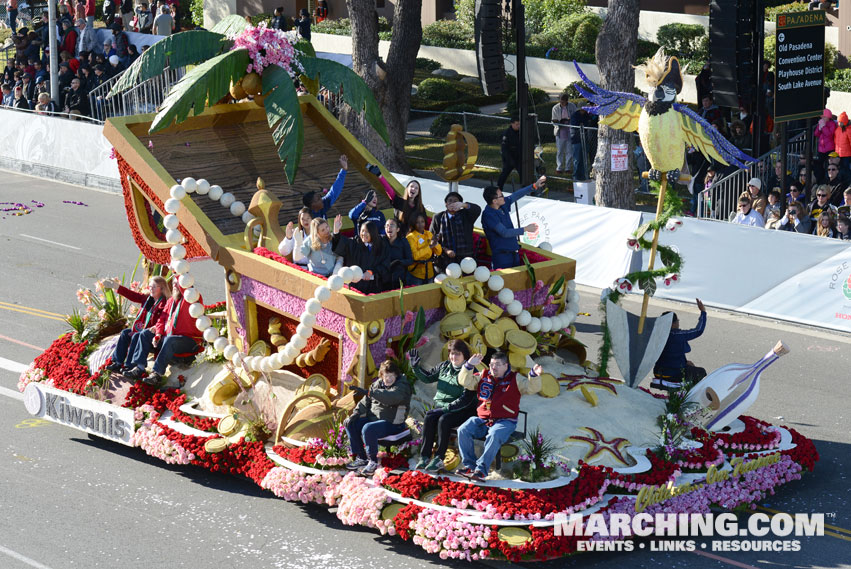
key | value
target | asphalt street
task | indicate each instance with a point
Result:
(70, 501)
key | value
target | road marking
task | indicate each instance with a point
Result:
(10, 305)
(30, 423)
(11, 393)
(40, 315)
(22, 558)
(12, 366)
(49, 241)
(835, 528)
(14, 341)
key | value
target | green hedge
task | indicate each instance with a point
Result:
(683, 40)
(343, 27)
(438, 89)
(771, 13)
(841, 81)
(427, 64)
(448, 33)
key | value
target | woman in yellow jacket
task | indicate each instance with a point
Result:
(424, 247)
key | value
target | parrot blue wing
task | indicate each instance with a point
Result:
(706, 138)
(616, 109)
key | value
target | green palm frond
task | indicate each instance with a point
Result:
(178, 50)
(284, 115)
(231, 25)
(356, 94)
(305, 47)
(205, 84)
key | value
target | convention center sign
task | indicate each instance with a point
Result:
(799, 61)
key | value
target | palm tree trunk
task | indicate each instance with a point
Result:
(389, 81)
(616, 47)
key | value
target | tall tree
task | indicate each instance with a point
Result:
(389, 81)
(615, 53)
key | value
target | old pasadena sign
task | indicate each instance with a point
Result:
(650, 495)
(95, 417)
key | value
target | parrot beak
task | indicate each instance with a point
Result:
(658, 94)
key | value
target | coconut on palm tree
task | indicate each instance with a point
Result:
(237, 59)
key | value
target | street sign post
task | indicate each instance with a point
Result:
(799, 61)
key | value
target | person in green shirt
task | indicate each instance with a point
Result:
(452, 403)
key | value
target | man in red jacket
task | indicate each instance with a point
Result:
(499, 390)
(177, 333)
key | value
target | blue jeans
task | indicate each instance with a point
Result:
(13, 17)
(144, 345)
(365, 431)
(172, 345)
(578, 162)
(125, 341)
(495, 437)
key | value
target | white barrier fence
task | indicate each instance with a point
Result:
(776, 274)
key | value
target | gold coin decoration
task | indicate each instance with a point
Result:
(477, 344)
(452, 288)
(456, 304)
(451, 460)
(507, 325)
(589, 395)
(228, 426)
(214, 446)
(390, 510)
(514, 536)
(521, 342)
(549, 386)
(517, 361)
(509, 451)
(494, 336)
(429, 495)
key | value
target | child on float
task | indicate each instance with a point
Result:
(453, 404)
(174, 333)
(843, 228)
(367, 210)
(424, 247)
(366, 251)
(380, 413)
(404, 205)
(320, 202)
(399, 255)
(152, 306)
(317, 250)
(294, 237)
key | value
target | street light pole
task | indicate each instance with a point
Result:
(527, 161)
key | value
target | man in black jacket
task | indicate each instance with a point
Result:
(76, 100)
(510, 151)
(454, 229)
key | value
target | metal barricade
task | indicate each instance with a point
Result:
(721, 200)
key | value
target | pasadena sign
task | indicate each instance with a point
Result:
(83, 413)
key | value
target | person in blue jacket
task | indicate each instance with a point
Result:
(367, 210)
(319, 204)
(499, 229)
(672, 368)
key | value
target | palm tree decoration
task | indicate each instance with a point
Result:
(240, 59)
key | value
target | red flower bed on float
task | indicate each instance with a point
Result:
(62, 364)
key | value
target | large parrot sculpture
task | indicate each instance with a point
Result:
(664, 126)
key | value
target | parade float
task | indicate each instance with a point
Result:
(266, 397)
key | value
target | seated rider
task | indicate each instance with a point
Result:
(454, 229)
(366, 211)
(499, 390)
(150, 311)
(672, 367)
(424, 247)
(175, 333)
(319, 204)
(317, 249)
(381, 413)
(453, 404)
(294, 237)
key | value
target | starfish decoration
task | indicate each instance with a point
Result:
(577, 381)
(599, 444)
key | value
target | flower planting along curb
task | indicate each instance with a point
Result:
(442, 514)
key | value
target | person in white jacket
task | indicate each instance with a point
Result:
(747, 215)
(294, 237)
(564, 148)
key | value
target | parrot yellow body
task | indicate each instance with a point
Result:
(662, 139)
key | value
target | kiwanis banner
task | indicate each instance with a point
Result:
(776, 274)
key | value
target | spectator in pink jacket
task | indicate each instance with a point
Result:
(824, 132)
(842, 139)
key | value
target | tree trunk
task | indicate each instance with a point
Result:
(616, 47)
(393, 91)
